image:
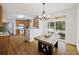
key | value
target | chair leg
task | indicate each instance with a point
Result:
(56, 45)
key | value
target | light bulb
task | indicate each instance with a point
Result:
(43, 15)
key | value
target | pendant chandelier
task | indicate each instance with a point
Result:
(43, 16)
(43, 13)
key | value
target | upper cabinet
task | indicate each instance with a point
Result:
(19, 22)
(1, 16)
(26, 23)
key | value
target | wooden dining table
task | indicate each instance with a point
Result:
(46, 44)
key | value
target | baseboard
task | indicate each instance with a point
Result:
(71, 43)
(68, 43)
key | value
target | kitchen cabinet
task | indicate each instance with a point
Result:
(30, 34)
(27, 35)
(24, 22)
(19, 22)
(27, 23)
(1, 16)
(4, 44)
(17, 32)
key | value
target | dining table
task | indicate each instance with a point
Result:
(47, 43)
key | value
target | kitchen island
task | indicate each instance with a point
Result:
(31, 33)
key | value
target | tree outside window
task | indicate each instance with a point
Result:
(51, 25)
(60, 25)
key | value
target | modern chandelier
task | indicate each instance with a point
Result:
(43, 16)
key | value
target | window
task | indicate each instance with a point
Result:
(51, 25)
(58, 25)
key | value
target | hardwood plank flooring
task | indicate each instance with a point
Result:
(18, 46)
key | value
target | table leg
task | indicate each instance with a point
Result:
(39, 46)
(56, 45)
(50, 52)
(45, 48)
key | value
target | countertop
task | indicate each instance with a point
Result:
(4, 33)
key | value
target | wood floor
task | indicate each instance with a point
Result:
(18, 46)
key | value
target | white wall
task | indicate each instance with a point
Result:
(44, 26)
(78, 28)
(71, 26)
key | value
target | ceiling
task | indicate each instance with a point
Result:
(11, 10)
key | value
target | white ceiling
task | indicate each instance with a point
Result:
(33, 9)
